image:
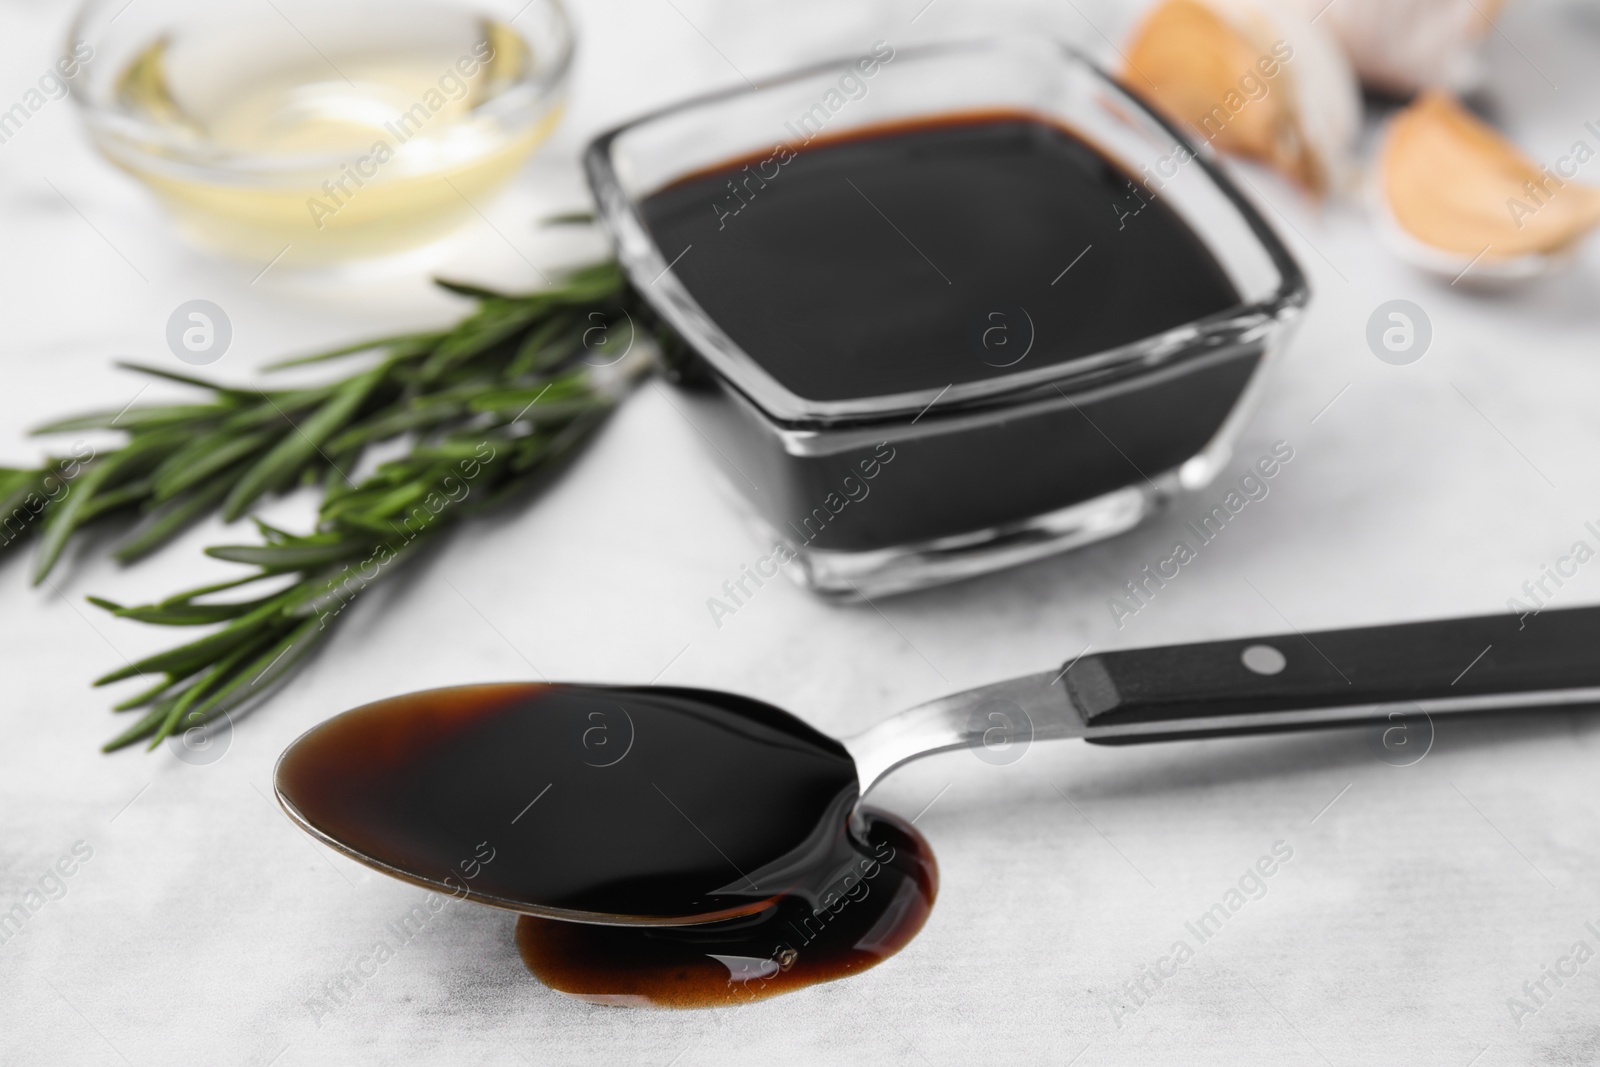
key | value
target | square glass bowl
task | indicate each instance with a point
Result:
(860, 495)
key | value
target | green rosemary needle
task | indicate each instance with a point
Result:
(489, 408)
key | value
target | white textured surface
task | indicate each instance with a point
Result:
(205, 926)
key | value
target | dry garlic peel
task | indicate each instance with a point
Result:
(1453, 183)
(1254, 79)
(1405, 46)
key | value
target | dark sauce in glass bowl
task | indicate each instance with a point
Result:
(704, 836)
(869, 264)
(976, 297)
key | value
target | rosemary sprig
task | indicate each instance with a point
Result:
(491, 407)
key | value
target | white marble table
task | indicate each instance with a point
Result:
(205, 929)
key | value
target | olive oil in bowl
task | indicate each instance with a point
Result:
(308, 135)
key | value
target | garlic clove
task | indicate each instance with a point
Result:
(1452, 183)
(1405, 46)
(1252, 78)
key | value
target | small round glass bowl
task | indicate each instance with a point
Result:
(314, 132)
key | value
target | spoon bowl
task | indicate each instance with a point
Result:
(599, 804)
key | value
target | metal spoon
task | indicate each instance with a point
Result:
(703, 829)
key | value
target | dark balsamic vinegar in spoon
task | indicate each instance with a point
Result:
(666, 846)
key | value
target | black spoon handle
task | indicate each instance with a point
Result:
(1299, 680)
